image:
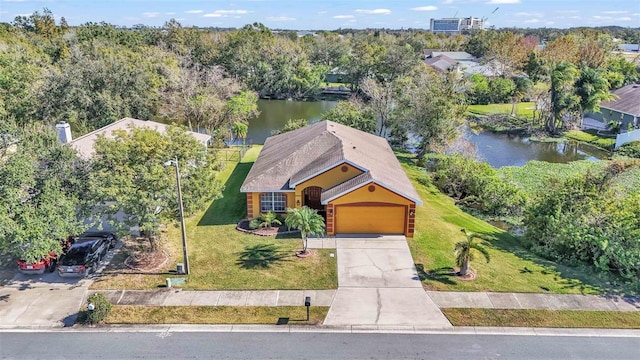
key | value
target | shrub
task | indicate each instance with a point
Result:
(254, 223)
(477, 185)
(631, 149)
(102, 307)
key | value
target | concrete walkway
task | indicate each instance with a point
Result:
(488, 300)
(378, 285)
(177, 297)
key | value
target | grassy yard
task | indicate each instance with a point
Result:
(222, 258)
(591, 137)
(523, 109)
(512, 267)
(544, 318)
(125, 314)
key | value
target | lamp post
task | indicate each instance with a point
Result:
(184, 232)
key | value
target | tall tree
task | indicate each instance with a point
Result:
(42, 193)
(507, 54)
(382, 101)
(433, 109)
(352, 113)
(130, 175)
(563, 99)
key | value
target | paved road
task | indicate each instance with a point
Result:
(181, 345)
(378, 285)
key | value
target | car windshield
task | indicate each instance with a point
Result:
(75, 256)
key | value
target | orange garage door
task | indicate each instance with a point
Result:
(370, 219)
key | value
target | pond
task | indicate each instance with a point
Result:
(496, 149)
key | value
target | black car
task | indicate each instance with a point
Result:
(109, 236)
(84, 256)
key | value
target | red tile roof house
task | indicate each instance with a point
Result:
(351, 177)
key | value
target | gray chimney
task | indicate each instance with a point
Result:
(64, 132)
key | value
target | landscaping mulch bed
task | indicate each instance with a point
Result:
(243, 226)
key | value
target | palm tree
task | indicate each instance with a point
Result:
(239, 131)
(464, 254)
(307, 220)
(269, 219)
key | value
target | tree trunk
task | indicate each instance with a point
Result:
(465, 268)
(304, 243)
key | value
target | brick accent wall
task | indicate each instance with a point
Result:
(249, 205)
(330, 224)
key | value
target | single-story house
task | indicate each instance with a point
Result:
(624, 109)
(84, 144)
(351, 177)
(442, 63)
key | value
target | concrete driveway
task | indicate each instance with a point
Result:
(46, 300)
(378, 285)
(41, 300)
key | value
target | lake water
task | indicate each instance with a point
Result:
(496, 149)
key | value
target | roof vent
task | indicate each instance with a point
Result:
(354, 147)
(64, 132)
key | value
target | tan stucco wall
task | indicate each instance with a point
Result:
(328, 179)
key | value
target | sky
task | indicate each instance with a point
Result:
(333, 14)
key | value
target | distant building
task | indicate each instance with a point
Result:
(456, 25)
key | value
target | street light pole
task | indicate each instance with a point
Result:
(184, 231)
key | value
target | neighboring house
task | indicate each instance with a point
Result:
(460, 61)
(442, 63)
(623, 110)
(84, 144)
(351, 177)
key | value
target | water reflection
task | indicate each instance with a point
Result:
(510, 150)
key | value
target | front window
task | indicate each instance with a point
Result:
(276, 202)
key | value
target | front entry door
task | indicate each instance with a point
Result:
(312, 197)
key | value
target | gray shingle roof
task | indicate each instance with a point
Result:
(84, 144)
(627, 101)
(345, 187)
(292, 157)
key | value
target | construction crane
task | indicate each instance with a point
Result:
(484, 19)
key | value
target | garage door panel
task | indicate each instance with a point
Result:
(370, 219)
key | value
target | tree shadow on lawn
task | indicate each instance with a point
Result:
(232, 206)
(261, 256)
(443, 275)
(582, 278)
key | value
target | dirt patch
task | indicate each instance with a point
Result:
(137, 256)
(469, 276)
(243, 226)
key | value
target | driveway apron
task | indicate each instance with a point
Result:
(378, 285)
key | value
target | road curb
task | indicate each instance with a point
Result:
(355, 329)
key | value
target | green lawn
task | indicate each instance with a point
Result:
(296, 315)
(591, 137)
(222, 258)
(512, 267)
(523, 109)
(544, 318)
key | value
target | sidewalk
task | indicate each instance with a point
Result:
(488, 300)
(443, 299)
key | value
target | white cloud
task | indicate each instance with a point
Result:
(616, 12)
(15, 1)
(225, 13)
(194, 11)
(574, 17)
(624, 18)
(425, 8)
(528, 14)
(230, 12)
(321, 12)
(567, 11)
(549, 23)
(503, 2)
(374, 11)
(150, 14)
(280, 18)
(531, 21)
(602, 17)
(170, 13)
(447, 2)
(343, 17)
